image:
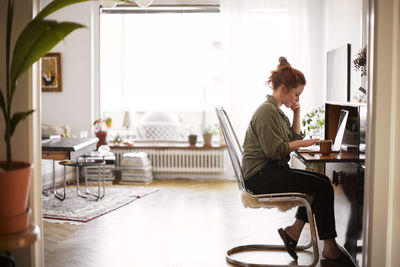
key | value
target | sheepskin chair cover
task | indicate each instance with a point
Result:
(250, 201)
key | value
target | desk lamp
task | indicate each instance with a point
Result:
(127, 122)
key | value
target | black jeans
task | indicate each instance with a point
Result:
(282, 179)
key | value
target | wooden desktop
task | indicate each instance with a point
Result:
(317, 157)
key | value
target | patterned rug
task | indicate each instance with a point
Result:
(77, 210)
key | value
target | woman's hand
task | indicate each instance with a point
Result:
(295, 107)
(309, 142)
(294, 145)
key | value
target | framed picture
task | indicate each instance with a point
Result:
(51, 73)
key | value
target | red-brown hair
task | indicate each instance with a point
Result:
(286, 75)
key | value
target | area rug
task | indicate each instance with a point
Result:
(77, 210)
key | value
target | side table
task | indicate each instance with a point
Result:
(91, 162)
(16, 241)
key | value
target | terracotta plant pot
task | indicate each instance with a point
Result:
(14, 192)
(207, 139)
(102, 135)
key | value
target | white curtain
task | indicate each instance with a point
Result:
(258, 33)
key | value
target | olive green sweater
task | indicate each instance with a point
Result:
(267, 138)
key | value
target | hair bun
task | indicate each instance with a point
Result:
(284, 64)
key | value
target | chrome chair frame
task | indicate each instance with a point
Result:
(234, 150)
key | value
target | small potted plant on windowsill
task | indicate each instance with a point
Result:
(100, 129)
(208, 133)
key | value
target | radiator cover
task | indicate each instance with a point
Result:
(183, 162)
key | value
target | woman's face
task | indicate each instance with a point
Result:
(292, 96)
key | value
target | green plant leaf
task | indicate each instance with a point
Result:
(16, 118)
(35, 41)
(26, 40)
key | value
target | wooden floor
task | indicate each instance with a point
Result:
(186, 223)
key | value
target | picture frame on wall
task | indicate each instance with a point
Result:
(51, 73)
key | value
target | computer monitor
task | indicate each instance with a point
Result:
(338, 74)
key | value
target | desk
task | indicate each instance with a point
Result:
(348, 180)
(340, 157)
(16, 241)
(346, 171)
(67, 148)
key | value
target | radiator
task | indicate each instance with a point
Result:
(182, 161)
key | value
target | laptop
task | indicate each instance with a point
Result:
(344, 114)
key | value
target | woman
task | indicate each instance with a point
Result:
(268, 143)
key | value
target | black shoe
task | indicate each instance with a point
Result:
(289, 242)
(343, 259)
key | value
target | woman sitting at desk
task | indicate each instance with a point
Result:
(268, 143)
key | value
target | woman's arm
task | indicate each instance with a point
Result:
(296, 117)
(294, 145)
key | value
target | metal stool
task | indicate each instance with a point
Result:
(83, 163)
(93, 157)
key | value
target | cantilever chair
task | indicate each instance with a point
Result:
(282, 201)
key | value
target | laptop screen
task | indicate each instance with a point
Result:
(340, 130)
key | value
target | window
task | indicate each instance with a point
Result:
(159, 61)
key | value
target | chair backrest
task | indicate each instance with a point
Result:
(234, 148)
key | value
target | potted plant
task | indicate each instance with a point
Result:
(100, 129)
(192, 139)
(208, 133)
(313, 123)
(38, 37)
(360, 62)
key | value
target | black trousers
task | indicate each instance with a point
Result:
(282, 179)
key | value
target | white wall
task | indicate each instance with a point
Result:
(74, 105)
(314, 94)
(343, 25)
